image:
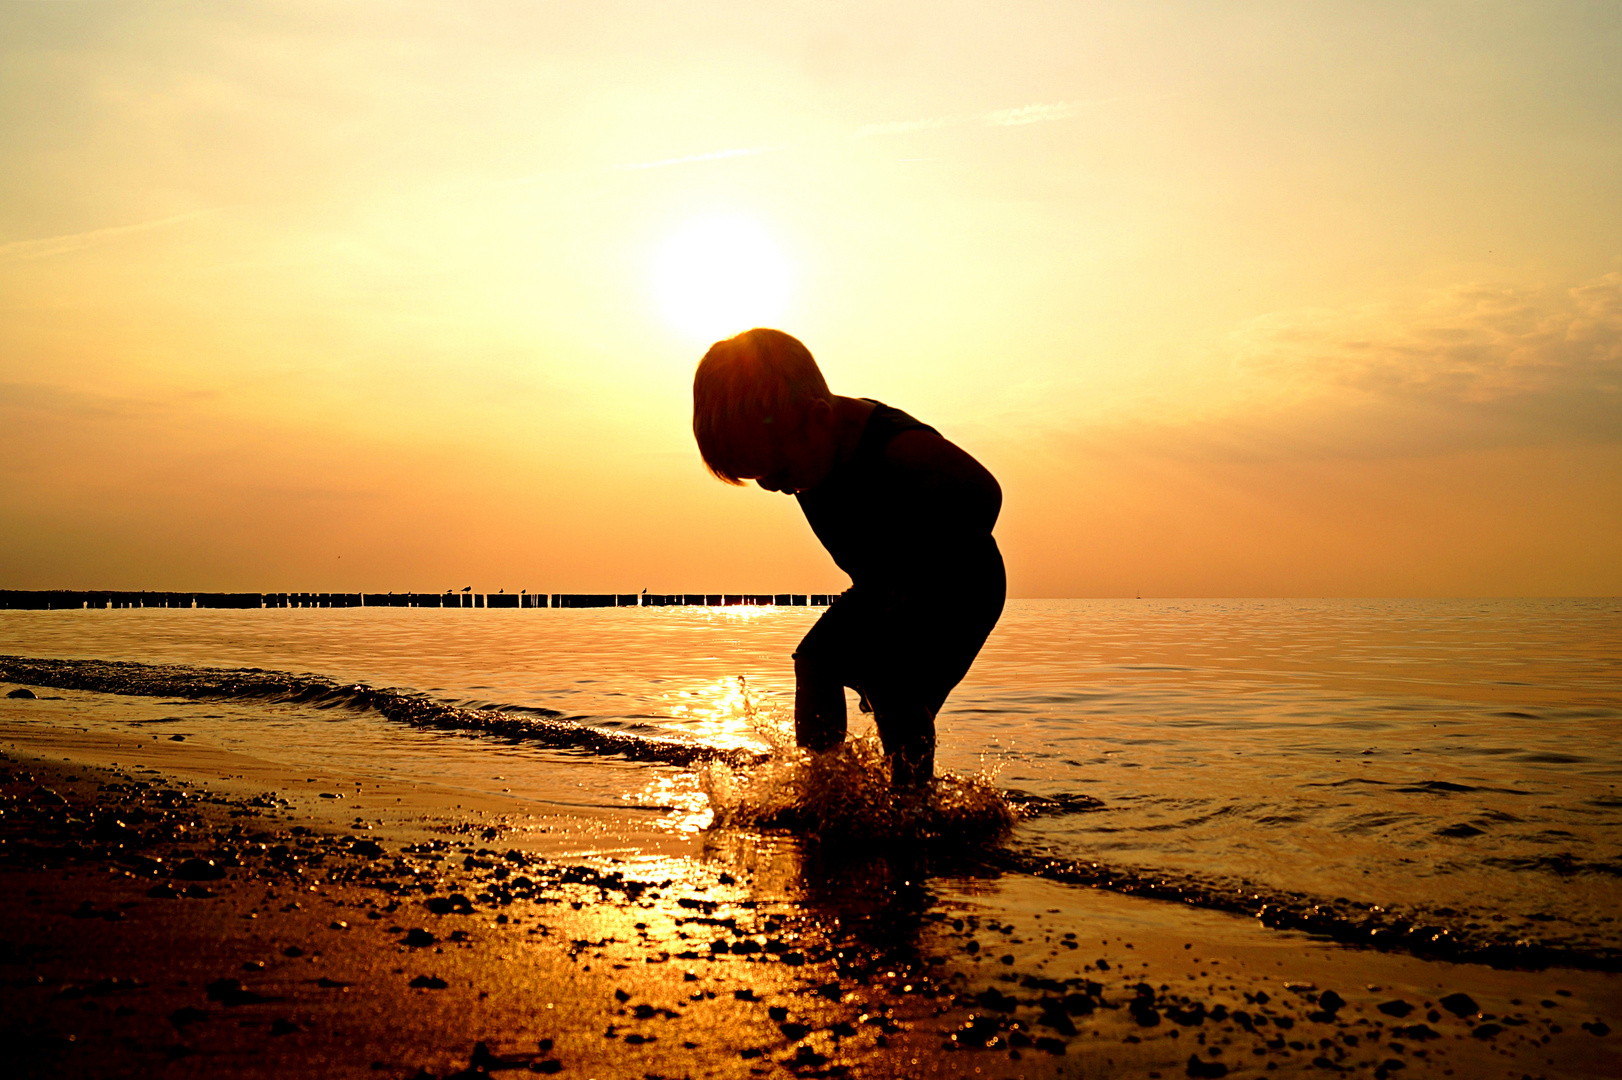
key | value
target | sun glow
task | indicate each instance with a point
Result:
(716, 276)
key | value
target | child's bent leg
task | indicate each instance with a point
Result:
(907, 728)
(819, 705)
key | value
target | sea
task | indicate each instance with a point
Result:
(1435, 776)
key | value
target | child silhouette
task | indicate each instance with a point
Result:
(904, 512)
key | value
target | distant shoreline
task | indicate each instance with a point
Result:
(69, 599)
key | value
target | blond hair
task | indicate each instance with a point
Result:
(757, 378)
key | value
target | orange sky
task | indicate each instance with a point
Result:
(1238, 299)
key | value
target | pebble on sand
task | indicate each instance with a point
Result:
(1460, 1004)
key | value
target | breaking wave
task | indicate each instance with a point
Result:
(540, 726)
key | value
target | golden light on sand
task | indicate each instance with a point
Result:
(720, 274)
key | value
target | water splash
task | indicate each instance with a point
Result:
(844, 796)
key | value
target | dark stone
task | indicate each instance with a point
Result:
(1460, 1005)
(1144, 1013)
(1050, 1045)
(418, 938)
(1197, 1067)
(231, 992)
(1598, 1027)
(996, 1000)
(1486, 1031)
(1079, 1004)
(177, 738)
(181, 1017)
(1331, 1002)
(199, 870)
(1058, 1021)
(23, 692)
(794, 1032)
(1395, 1007)
(1417, 1032)
(550, 1065)
(292, 951)
(369, 849)
(428, 982)
(282, 1026)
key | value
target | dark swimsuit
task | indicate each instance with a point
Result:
(924, 594)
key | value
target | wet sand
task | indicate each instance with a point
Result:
(168, 916)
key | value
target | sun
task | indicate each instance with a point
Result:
(718, 275)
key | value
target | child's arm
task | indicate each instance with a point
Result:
(951, 494)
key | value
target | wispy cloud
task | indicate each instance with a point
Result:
(19, 250)
(903, 127)
(1032, 114)
(1039, 113)
(690, 159)
(1470, 344)
(1016, 117)
(1468, 367)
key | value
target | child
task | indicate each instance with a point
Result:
(905, 513)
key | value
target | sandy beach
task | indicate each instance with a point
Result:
(190, 910)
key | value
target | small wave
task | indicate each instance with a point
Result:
(543, 727)
(1447, 787)
(1027, 804)
(1440, 933)
(1561, 865)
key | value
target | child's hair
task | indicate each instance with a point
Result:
(756, 378)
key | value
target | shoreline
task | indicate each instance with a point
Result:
(1433, 930)
(799, 966)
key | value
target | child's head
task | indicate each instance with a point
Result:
(752, 397)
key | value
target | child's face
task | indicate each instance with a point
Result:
(794, 457)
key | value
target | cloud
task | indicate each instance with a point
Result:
(1468, 368)
(1019, 116)
(1031, 114)
(903, 127)
(1489, 364)
(689, 159)
(1469, 344)
(1016, 117)
(19, 250)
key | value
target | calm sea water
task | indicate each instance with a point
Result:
(1461, 756)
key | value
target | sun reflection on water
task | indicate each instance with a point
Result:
(727, 714)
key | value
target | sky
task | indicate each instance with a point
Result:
(1240, 299)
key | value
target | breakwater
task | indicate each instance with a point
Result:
(63, 599)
